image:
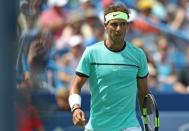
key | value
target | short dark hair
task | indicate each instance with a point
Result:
(116, 7)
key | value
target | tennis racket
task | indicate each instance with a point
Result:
(150, 113)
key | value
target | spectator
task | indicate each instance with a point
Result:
(28, 24)
(37, 59)
(159, 10)
(61, 98)
(166, 71)
(92, 28)
(27, 116)
(22, 66)
(68, 62)
(86, 5)
(28, 16)
(180, 20)
(75, 21)
(144, 20)
(76, 50)
(152, 76)
(54, 18)
(182, 84)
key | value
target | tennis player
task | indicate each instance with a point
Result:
(114, 68)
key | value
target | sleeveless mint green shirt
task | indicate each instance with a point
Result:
(113, 85)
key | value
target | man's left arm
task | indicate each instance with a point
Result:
(142, 90)
(142, 77)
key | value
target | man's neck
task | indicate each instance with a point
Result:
(115, 46)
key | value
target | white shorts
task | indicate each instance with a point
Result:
(128, 129)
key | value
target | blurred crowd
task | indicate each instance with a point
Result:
(54, 33)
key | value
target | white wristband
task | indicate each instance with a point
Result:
(74, 99)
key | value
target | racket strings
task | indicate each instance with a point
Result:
(150, 114)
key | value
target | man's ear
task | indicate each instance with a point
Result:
(128, 26)
(105, 24)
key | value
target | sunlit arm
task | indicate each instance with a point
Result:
(77, 84)
(142, 90)
(78, 116)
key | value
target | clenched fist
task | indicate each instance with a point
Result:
(78, 117)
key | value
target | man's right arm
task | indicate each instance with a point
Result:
(75, 100)
(77, 84)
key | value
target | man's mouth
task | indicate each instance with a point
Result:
(118, 35)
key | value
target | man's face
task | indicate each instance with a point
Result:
(116, 29)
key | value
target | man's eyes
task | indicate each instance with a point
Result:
(116, 24)
(123, 23)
